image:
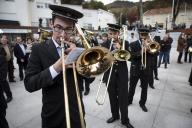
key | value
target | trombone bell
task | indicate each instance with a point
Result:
(94, 61)
(121, 55)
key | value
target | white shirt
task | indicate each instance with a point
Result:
(22, 48)
(53, 72)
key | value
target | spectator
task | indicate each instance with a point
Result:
(20, 54)
(165, 47)
(189, 44)
(180, 47)
(9, 57)
(3, 76)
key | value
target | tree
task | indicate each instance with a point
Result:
(94, 5)
(141, 11)
(176, 8)
(133, 14)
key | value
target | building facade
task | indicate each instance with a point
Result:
(93, 19)
(163, 17)
(23, 15)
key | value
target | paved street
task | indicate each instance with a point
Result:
(169, 103)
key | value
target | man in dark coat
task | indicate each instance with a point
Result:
(4, 83)
(9, 50)
(44, 71)
(20, 54)
(118, 81)
(3, 76)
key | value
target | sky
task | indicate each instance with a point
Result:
(110, 1)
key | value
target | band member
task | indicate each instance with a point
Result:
(118, 84)
(44, 71)
(138, 71)
(3, 76)
(155, 69)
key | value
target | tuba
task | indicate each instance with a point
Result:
(93, 61)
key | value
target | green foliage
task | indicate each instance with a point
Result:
(94, 5)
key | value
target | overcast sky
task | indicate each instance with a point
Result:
(110, 1)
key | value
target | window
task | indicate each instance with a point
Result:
(40, 6)
(46, 5)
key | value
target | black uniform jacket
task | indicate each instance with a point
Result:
(3, 76)
(135, 50)
(119, 67)
(38, 77)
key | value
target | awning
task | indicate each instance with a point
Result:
(9, 22)
(15, 30)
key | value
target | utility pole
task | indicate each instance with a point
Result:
(141, 12)
(173, 4)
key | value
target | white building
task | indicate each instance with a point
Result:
(163, 17)
(93, 19)
(28, 12)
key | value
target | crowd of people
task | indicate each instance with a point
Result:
(42, 64)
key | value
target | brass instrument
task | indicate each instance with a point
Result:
(93, 61)
(148, 45)
(44, 35)
(120, 55)
(66, 100)
(190, 50)
(97, 95)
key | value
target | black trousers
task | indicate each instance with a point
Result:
(135, 74)
(6, 88)
(186, 55)
(179, 57)
(87, 84)
(22, 66)
(150, 77)
(190, 77)
(155, 69)
(118, 93)
(3, 121)
(10, 70)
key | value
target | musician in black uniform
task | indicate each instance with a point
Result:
(44, 71)
(139, 71)
(3, 77)
(155, 69)
(118, 84)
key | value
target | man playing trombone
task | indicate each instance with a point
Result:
(141, 68)
(44, 71)
(118, 80)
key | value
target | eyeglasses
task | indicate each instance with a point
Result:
(60, 29)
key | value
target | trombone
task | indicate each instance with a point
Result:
(66, 99)
(148, 45)
(97, 95)
(120, 55)
(92, 61)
